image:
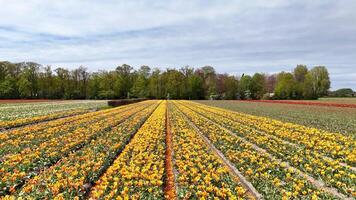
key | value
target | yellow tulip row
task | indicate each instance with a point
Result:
(21, 141)
(73, 175)
(200, 173)
(37, 128)
(139, 170)
(272, 179)
(334, 145)
(35, 119)
(17, 167)
(308, 161)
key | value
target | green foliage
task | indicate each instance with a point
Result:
(31, 80)
(303, 84)
(245, 87)
(343, 92)
(300, 72)
(286, 86)
(8, 87)
(231, 87)
(258, 86)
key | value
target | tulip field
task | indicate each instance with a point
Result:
(171, 149)
(17, 114)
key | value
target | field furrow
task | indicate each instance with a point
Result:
(170, 178)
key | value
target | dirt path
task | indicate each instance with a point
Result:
(170, 186)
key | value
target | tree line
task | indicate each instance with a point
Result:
(32, 80)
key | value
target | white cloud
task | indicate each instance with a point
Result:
(233, 36)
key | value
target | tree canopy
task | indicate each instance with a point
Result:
(32, 80)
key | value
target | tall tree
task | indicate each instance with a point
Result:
(317, 83)
(286, 86)
(155, 84)
(46, 83)
(258, 86)
(209, 77)
(172, 80)
(196, 87)
(300, 71)
(124, 81)
(8, 87)
(140, 85)
(231, 87)
(271, 82)
(245, 87)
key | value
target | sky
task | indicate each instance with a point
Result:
(234, 37)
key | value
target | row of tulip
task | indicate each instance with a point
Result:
(12, 115)
(308, 161)
(334, 145)
(139, 170)
(37, 128)
(24, 121)
(200, 173)
(24, 139)
(272, 179)
(73, 175)
(16, 167)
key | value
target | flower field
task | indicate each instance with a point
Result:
(17, 114)
(174, 150)
(328, 118)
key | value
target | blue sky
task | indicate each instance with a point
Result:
(233, 36)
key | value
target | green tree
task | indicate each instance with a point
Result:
(46, 83)
(245, 87)
(62, 83)
(343, 92)
(258, 86)
(94, 86)
(317, 83)
(140, 85)
(286, 86)
(24, 86)
(155, 84)
(300, 72)
(172, 80)
(196, 88)
(124, 81)
(209, 78)
(8, 87)
(231, 87)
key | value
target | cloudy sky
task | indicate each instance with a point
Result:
(233, 36)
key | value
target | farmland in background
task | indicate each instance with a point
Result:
(334, 119)
(338, 100)
(175, 150)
